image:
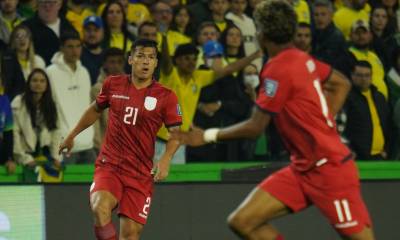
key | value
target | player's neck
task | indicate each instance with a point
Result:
(274, 49)
(141, 83)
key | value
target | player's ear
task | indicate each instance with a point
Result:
(155, 63)
(130, 60)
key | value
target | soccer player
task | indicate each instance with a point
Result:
(138, 106)
(322, 171)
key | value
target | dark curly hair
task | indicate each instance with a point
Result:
(276, 20)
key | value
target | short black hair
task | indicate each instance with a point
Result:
(303, 25)
(362, 63)
(186, 49)
(142, 42)
(113, 52)
(69, 35)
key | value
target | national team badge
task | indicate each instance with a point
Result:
(178, 110)
(150, 103)
(271, 86)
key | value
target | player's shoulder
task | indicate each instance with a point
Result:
(116, 80)
(161, 88)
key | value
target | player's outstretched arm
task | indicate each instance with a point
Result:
(250, 128)
(88, 118)
(336, 88)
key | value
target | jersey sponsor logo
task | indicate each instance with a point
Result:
(271, 86)
(120, 96)
(150, 103)
(178, 109)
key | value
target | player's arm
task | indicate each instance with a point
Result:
(166, 59)
(336, 88)
(235, 66)
(88, 118)
(162, 167)
(250, 128)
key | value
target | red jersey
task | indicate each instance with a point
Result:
(291, 90)
(135, 116)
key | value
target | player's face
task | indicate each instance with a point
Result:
(143, 61)
(361, 77)
(114, 65)
(322, 17)
(72, 50)
(38, 83)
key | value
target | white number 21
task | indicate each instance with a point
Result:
(130, 115)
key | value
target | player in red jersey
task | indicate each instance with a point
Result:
(322, 171)
(123, 177)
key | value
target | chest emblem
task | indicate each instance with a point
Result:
(150, 103)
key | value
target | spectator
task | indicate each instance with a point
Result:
(302, 11)
(246, 25)
(207, 31)
(302, 38)
(162, 16)
(27, 8)
(368, 116)
(9, 18)
(46, 27)
(70, 83)
(11, 75)
(182, 21)
(6, 133)
(392, 7)
(77, 12)
(92, 52)
(36, 130)
(361, 39)
(328, 44)
(200, 11)
(21, 43)
(136, 12)
(251, 6)
(187, 82)
(148, 30)
(113, 64)
(393, 79)
(115, 27)
(380, 33)
(347, 15)
(218, 9)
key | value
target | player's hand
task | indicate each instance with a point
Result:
(161, 170)
(66, 146)
(10, 166)
(192, 138)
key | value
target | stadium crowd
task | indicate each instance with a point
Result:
(55, 55)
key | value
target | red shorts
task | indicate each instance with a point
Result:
(133, 195)
(333, 188)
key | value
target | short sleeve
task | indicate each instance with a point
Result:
(274, 92)
(172, 111)
(324, 70)
(103, 98)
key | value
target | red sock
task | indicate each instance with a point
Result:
(279, 237)
(106, 232)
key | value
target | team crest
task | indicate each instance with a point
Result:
(150, 103)
(271, 86)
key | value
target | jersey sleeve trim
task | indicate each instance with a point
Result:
(265, 111)
(102, 106)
